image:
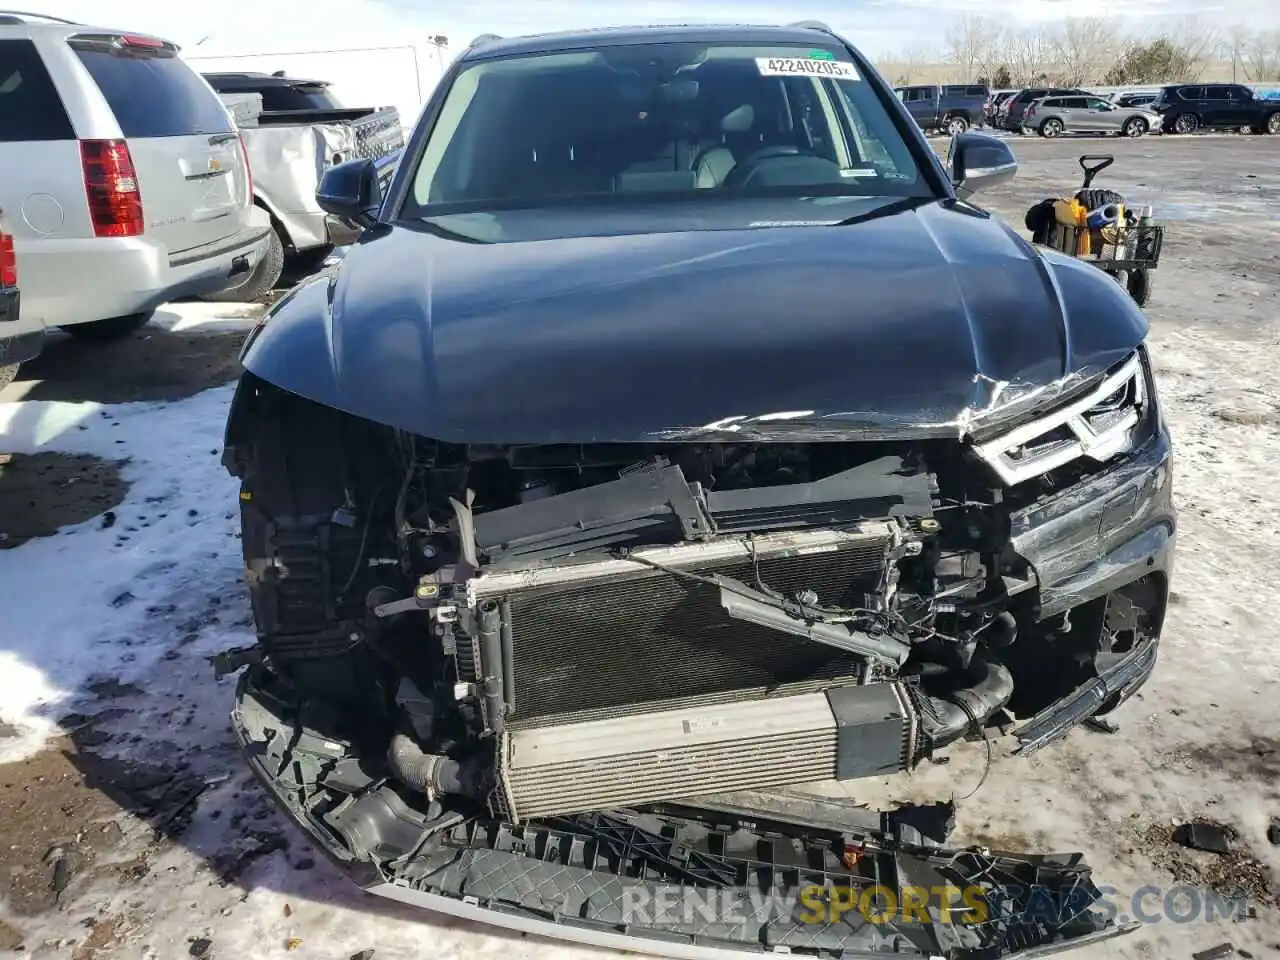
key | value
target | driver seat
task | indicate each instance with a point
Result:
(714, 161)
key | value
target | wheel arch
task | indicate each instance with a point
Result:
(290, 350)
(277, 221)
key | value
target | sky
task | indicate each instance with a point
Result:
(879, 27)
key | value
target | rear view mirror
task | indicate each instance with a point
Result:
(978, 161)
(679, 91)
(351, 191)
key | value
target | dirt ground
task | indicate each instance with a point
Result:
(1203, 740)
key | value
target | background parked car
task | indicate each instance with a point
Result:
(297, 131)
(17, 343)
(1188, 107)
(1013, 109)
(1054, 116)
(992, 107)
(1134, 99)
(128, 173)
(951, 108)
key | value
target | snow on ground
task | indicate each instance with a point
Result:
(93, 597)
(206, 317)
(142, 597)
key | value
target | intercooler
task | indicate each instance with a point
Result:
(844, 733)
(626, 682)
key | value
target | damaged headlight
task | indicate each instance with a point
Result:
(1108, 420)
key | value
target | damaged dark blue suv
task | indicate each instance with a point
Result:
(678, 427)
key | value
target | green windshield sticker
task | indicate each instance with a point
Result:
(821, 55)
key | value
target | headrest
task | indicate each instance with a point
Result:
(740, 120)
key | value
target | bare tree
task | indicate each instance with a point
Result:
(971, 44)
(1262, 57)
(1025, 51)
(1083, 48)
(1234, 48)
(1198, 42)
(907, 65)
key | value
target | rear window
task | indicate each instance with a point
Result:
(310, 96)
(30, 108)
(155, 95)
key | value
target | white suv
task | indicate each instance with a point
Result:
(122, 177)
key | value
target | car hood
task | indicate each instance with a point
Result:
(921, 323)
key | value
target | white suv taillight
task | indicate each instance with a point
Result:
(8, 261)
(111, 186)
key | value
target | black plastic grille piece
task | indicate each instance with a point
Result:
(617, 644)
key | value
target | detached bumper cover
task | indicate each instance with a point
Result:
(704, 883)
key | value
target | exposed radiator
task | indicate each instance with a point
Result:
(640, 639)
(678, 754)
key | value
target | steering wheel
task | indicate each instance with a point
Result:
(743, 167)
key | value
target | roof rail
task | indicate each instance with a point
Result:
(483, 39)
(810, 25)
(21, 16)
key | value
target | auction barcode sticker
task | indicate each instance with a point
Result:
(806, 67)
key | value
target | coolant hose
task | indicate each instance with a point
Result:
(948, 718)
(431, 773)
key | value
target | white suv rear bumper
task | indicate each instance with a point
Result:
(66, 282)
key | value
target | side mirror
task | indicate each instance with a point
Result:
(351, 191)
(978, 161)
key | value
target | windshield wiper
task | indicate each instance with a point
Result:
(445, 233)
(900, 205)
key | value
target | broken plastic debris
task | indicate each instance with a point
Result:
(1200, 835)
(293, 943)
(1215, 953)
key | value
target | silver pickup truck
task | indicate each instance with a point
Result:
(294, 130)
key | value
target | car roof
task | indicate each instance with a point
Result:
(30, 25)
(497, 47)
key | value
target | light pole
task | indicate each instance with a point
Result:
(440, 42)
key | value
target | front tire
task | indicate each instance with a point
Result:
(112, 328)
(1186, 123)
(262, 278)
(1270, 124)
(1051, 128)
(1139, 286)
(1135, 127)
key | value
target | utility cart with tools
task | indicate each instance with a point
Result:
(1098, 227)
